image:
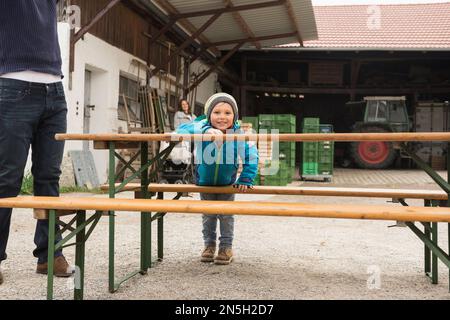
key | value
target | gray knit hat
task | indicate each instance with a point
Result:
(220, 97)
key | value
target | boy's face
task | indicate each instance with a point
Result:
(222, 116)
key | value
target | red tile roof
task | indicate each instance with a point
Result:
(406, 26)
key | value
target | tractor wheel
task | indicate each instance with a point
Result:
(373, 154)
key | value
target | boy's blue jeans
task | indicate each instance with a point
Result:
(30, 115)
(210, 223)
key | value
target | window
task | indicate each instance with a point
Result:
(397, 112)
(128, 88)
(382, 111)
(371, 111)
(377, 111)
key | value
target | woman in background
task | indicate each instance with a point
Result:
(184, 114)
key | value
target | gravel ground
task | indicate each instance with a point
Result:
(275, 258)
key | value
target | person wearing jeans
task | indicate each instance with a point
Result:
(210, 222)
(217, 164)
(32, 110)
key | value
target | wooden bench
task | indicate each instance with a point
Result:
(78, 207)
(437, 195)
(430, 198)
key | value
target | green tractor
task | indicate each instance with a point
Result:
(381, 114)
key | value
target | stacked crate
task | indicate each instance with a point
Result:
(318, 157)
(284, 123)
(310, 149)
(325, 161)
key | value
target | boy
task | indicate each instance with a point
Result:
(216, 165)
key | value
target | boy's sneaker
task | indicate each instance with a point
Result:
(224, 257)
(60, 268)
(208, 254)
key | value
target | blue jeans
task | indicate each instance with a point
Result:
(30, 115)
(210, 222)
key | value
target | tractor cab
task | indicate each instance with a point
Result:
(388, 111)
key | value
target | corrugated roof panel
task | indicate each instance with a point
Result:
(262, 22)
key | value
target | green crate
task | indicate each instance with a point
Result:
(287, 152)
(311, 129)
(280, 126)
(284, 168)
(325, 169)
(284, 123)
(310, 168)
(326, 153)
(310, 121)
(281, 118)
(326, 128)
(287, 147)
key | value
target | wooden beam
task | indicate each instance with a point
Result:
(348, 91)
(242, 24)
(282, 137)
(190, 39)
(97, 17)
(214, 67)
(370, 212)
(228, 9)
(161, 32)
(295, 191)
(275, 36)
(167, 6)
(74, 37)
(42, 214)
(294, 22)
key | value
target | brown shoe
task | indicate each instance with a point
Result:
(224, 257)
(60, 268)
(208, 254)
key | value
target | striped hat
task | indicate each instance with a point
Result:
(217, 98)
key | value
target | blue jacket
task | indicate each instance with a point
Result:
(218, 166)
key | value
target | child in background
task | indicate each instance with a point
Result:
(216, 165)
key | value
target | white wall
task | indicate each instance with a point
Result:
(106, 64)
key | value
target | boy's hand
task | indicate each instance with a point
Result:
(242, 187)
(218, 133)
(213, 131)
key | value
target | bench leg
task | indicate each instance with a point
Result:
(146, 242)
(427, 253)
(434, 260)
(79, 257)
(160, 232)
(111, 252)
(51, 252)
(160, 238)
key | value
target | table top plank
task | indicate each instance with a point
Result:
(344, 211)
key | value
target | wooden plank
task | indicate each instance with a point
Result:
(297, 137)
(298, 191)
(386, 212)
(104, 145)
(42, 214)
